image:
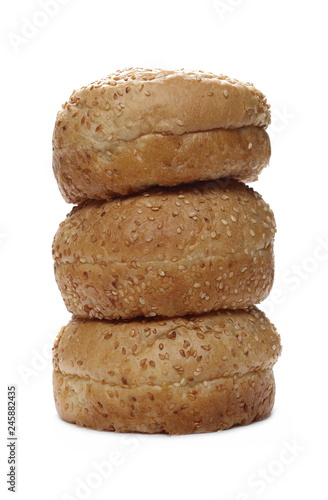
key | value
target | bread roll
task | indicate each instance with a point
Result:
(179, 376)
(138, 128)
(167, 252)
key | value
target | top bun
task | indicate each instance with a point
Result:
(159, 101)
(131, 116)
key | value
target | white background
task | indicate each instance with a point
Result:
(278, 45)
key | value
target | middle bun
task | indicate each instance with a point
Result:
(167, 252)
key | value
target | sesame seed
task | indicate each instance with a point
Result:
(226, 93)
(252, 232)
(250, 145)
(224, 221)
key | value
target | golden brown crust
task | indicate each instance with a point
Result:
(155, 159)
(180, 375)
(167, 252)
(165, 410)
(139, 128)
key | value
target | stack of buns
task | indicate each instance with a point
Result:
(165, 255)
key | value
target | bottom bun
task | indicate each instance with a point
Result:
(172, 410)
(177, 376)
